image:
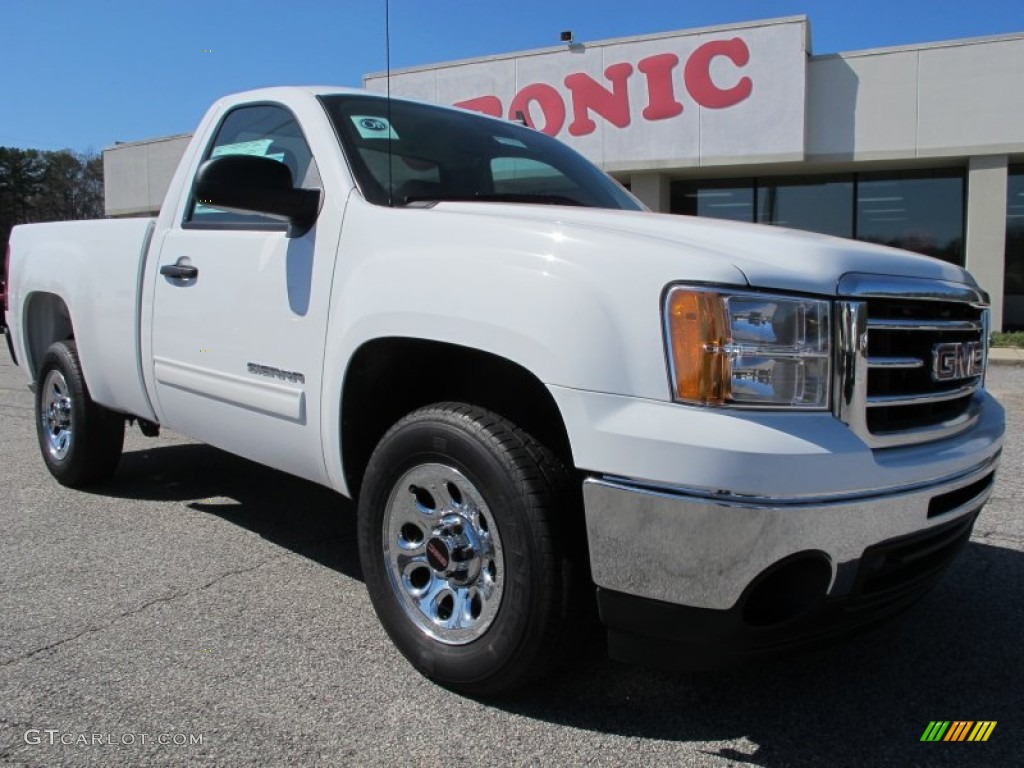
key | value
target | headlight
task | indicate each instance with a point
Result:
(748, 349)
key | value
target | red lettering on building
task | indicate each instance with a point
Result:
(661, 97)
(489, 105)
(550, 103)
(697, 74)
(588, 94)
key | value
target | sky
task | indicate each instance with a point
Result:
(82, 74)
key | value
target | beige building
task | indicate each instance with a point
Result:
(920, 147)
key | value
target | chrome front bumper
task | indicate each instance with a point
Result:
(703, 550)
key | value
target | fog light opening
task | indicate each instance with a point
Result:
(788, 589)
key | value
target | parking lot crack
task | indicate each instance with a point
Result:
(139, 609)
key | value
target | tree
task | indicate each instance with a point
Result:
(20, 184)
(48, 186)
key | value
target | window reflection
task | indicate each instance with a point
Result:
(818, 204)
(919, 211)
(731, 199)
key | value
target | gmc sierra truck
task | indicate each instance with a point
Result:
(732, 439)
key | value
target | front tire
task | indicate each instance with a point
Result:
(461, 543)
(80, 441)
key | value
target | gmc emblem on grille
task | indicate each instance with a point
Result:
(957, 360)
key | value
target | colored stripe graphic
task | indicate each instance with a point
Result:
(982, 730)
(958, 730)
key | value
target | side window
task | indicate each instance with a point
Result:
(268, 131)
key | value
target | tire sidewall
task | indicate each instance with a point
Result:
(479, 460)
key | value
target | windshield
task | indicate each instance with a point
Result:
(444, 154)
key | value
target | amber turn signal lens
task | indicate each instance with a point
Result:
(698, 333)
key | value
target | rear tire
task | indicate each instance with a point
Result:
(80, 441)
(461, 544)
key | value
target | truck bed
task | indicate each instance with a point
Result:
(95, 268)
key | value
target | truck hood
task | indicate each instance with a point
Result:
(768, 256)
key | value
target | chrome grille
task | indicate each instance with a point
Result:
(911, 356)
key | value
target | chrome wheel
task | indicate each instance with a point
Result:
(443, 554)
(55, 415)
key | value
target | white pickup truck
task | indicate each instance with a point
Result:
(732, 439)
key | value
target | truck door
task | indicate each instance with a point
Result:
(238, 332)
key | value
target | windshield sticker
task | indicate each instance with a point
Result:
(258, 147)
(508, 141)
(371, 127)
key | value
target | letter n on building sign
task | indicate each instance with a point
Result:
(588, 94)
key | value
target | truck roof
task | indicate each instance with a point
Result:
(315, 90)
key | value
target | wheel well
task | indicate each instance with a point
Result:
(47, 320)
(388, 378)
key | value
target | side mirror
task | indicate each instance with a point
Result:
(254, 184)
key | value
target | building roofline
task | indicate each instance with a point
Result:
(142, 142)
(956, 43)
(597, 44)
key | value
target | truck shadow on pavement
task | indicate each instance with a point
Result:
(866, 700)
(298, 515)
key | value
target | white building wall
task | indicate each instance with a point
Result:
(862, 107)
(136, 175)
(972, 99)
(947, 100)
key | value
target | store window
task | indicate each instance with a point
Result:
(920, 211)
(818, 204)
(917, 211)
(1013, 288)
(731, 199)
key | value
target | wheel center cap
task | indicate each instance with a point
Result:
(438, 555)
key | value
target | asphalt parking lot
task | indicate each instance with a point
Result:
(203, 599)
